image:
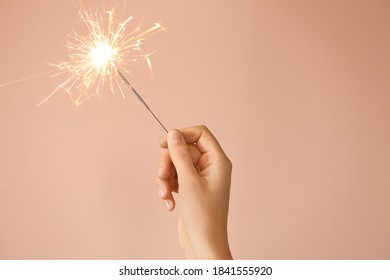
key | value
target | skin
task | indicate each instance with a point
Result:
(194, 165)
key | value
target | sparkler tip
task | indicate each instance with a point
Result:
(95, 57)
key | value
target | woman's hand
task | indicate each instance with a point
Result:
(194, 165)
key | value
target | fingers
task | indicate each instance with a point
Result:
(180, 155)
(165, 166)
(165, 192)
(167, 175)
(169, 202)
(166, 180)
(201, 135)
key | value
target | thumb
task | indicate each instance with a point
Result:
(180, 154)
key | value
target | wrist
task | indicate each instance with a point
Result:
(212, 249)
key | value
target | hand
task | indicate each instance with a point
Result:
(194, 165)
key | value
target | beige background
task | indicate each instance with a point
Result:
(297, 92)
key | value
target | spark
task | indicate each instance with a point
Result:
(26, 78)
(97, 57)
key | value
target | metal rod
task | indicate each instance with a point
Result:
(140, 98)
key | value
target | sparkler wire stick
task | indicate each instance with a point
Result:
(140, 98)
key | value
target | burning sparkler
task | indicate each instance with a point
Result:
(98, 58)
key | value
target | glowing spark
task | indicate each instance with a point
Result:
(26, 78)
(101, 55)
(96, 58)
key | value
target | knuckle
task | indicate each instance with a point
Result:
(226, 164)
(229, 163)
(204, 128)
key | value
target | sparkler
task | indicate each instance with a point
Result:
(98, 59)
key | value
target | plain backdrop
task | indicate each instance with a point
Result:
(297, 92)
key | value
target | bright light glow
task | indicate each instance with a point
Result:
(102, 55)
(96, 57)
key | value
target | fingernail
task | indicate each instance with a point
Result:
(174, 136)
(168, 204)
(161, 192)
